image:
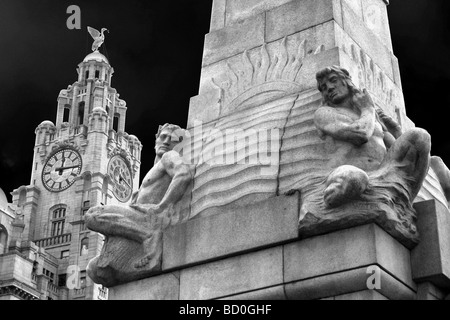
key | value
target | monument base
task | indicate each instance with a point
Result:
(213, 258)
(357, 263)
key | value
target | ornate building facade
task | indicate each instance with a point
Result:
(83, 159)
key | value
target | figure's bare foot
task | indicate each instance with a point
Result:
(152, 250)
(144, 261)
(344, 184)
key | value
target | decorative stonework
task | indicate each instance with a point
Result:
(374, 170)
(13, 290)
(276, 75)
(372, 78)
(133, 246)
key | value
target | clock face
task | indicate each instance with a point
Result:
(61, 170)
(120, 175)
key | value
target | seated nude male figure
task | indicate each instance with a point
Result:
(143, 219)
(365, 140)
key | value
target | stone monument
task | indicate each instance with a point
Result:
(133, 246)
(308, 179)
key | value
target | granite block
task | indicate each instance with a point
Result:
(347, 282)
(431, 258)
(229, 41)
(230, 231)
(344, 250)
(271, 293)
(161, 287)
(296, 16)
(234, 275)
(217, 15)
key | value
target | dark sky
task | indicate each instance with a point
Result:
(156, 48)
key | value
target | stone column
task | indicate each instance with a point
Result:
(351, 33)
(258, 78)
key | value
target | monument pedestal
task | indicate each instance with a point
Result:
(221, 257)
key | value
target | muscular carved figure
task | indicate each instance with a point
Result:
(144, 218)
(368, 142)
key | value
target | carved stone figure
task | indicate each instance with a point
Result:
(133, 244)
(375, 170)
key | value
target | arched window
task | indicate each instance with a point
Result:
(3, 239)
(66, 113)
(81, 112)
(105, 190)
(22, 197)
(58, 219)
(84, 247)
(116, 122)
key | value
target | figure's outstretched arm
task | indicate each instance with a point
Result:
(389, 124)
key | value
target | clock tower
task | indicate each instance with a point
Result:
(83, 159)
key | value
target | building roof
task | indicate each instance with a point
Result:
(97, 56)
(3, 199)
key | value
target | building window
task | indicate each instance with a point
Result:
(66, 113)
(3, 239)
(22, 197)
(62, 279)
(116, 122)
(58, 220)
(86, 74)
(105, 191)
(81, 106)
(65, 254)
(84, 250)
(83, 279)
(97, 74)
(85, 207)
(48, 274)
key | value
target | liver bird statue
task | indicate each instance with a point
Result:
(98, 37)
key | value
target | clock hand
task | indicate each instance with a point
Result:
(122, 179)
(60, 169)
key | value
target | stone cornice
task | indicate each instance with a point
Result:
(18, 289)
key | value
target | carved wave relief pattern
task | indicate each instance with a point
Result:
(431, 189)
(225, 184)
(302, 161)
(303, 155)
(259, 92)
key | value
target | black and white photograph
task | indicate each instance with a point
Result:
(224, 149)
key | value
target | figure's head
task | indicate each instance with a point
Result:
(167, 137)
(343, 184)
(335, 84)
